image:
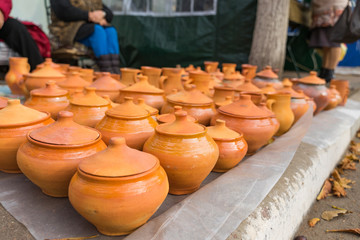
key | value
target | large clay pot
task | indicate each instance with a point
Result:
(16, 121)
(195, 103)
(3, 102)
(129, 76)
(119, 188)
(232, 146)
(88, 109)
(186, 164)
(315, 88)
(267, 75)
(18, 67)
(170, 117)
(73, 82)
(106, 85)
(50, 99)
(343, 88)
(129, 121)
(51, 154)
(153, 96)
(153, 74)
(172, 80)
(201, 80)
(248, 70)
(210, 66)
(281, 106)
(243, 116)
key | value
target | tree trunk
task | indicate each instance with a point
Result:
(270, 34)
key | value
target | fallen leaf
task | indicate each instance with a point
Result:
(355, 148)
(338, 190)
(352, 156)
(325, 190)
(328, 215)
(74, 238)
(313, 222)
(354, 230)
(342, 181)
(347, 163)
(358, 134)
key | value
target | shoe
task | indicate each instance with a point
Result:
(115, 63)
(328, 74)
(321, 72)
(104, 63)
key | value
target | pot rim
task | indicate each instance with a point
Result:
(48, 115)
(186, 135)
(89, 106)
(241, 137)
(147, 93)
(128, 118)
(190, 104)
(243, 117)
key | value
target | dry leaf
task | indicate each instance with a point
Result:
(313, 222)
(352, 156)
(342, 181)
(328, 215)
(325, 190)
(347, 163)
(338, 189)
(355, 148)
(74, 238)
(354, 230)
(358, 134)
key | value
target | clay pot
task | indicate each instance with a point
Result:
(63, 67)
(73, 82)
(106, 85)
(153, 74)
(195, 103)
(232, 146)
(228, 68)
(39, 78)
(281, 106)
(190, 68)
(129, 121)
(107, 98)
(256, 98)
(248, 87)
(51, 63)
(202, 81)
(335, 98)
(3, 102)
(343, 88)
(172, 80)
(18, 66)
(211, 67)
(16, 121)
(118, 189)
(77, 94)
(153, 111)
(51, 154)
(88, 109)
(129, 76)
(50, 99)
(315, 88)
(72, 69)
(170, 117)
(268, 89)
(87, 74)
(243, 116)
(248, 70)
(228, 100)
(336, 93)
(186, 164)
(221, 92)
(153, 96)
(267, 75)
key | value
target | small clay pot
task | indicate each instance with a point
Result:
(18, 66)
(228, 100)
(129, 76)
(248, 70)
(73, 82)
(153, 74)
(343, 88)
(211, 66)
(172, 80)
(170, 117)
(106, 85)
(221, 92)
(267, 75)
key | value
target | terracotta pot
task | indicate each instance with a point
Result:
(129, 121)
(315, 88)
(129, 76)
(77, 94)
(63, 67)
(153, 96)
(170, 117)
(18, 66)
(281, 106)
(118, 189)
(256, 98)
(186, 164)
(228, 100)
(228, 68)
(336, 93)
(106, 85)
(335, 98)
(232, 146)
(248, 70)
(39, 78)
(88, 109)
(87, 74)
(153, 74)
(51, 63)
(195, 103)
(73, 82)
(107, 98)
(16, 121)
(3, 102)
(210, 66)
(152, 111)
(243, 116)
(343, 88)
(50, 99)
(221, 92)
(268, 89)
(172, 80)
(201, 80)
(267, 75)
(51, 154)
(248, 87)
(72, 69)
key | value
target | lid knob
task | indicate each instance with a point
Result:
(267, 67)
(90, 90)
(12, 102)
(313, 73)
(173, 91)
(143, 78)
(181, 116)
(50, 83)
(65, 116)
(177, 108)
(228, 98)
(117, 141)
(220, 123)
(245, 97)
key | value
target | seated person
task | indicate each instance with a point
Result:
(17, 37)
(87, 22)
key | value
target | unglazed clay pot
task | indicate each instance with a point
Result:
(221, 92)
(153, 96)
(232, 146)
(119, 188)
(88, 109)
(87, 74)
(228, 100)
(228, 68)
(269, 89)
(243, 116)
(267, 75)
(51, 154)
(153, 74)
(186, 164)
(315, 88)
(195, 103)
(172, 80)
(106, 85)
(336, 93)
(51, 63)
(170, 117)
(73, 82)
(343, 88)
(202, 81)
(281, 106)
(50, 99)
(153, 111)
(248, 70)
(210, 66)
(248, 87)
(16, 121)
(112, 104)
(18, 67)
(129, 121)
(3, 102)
(129, 76)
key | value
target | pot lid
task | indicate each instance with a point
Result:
(143, 86)
(107, 97)
(220, 131)
(118, 160)
(190, 68)
(312, 79)
(234, 76)
(267, 72)
(106, 82)
(50, 90)
(128, 109)
(228, 100)
(3, 102)
(90, 99)
(248, 86)
(151, 110)
(180, 126)
(287, 89)
(65, 132)
(170, 117)
(16, 113)
(52, 64)
(73, 80)
(268, 88)
(191, 96)
(245, 108)
(46, 72)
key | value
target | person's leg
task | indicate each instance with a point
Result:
(331, 60)
(113, 48)
(17, 37)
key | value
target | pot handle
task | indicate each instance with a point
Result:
(269, 103)
(162, 81)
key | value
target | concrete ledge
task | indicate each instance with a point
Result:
(281, 212)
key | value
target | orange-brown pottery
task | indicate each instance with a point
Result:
(228, 100)
(129, 76)
(153, 74)
(210, 66)
(202, 81)
(106, 85)
(153, 111)
(172, 80)
(248, 70)
(73, 82)
(3, 102)
(221, 92)
(87, 74)
(170, 117)
(343, 88)
(267, 75)
(18, 67)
